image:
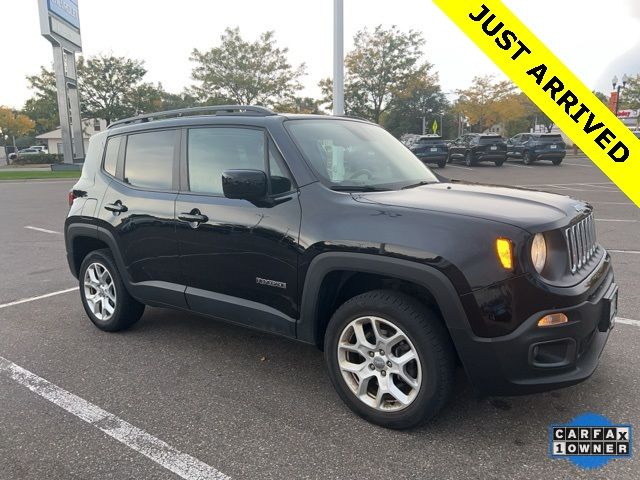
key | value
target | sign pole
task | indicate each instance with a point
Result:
(60, 24)
(338, 57)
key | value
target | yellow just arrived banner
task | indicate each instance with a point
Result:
(550, 85)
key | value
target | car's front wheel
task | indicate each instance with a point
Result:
(390, 358)
(104, 296)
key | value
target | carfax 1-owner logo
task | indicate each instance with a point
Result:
(590, 441)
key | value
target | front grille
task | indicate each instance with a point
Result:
(581, 243)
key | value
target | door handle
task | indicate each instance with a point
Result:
(116, 207)
(194, 216)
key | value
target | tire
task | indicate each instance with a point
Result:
(468, 159)
(110, 289)
(557, 161)
(499, 163)
(442, 163)
(432, 370)
(527, 158)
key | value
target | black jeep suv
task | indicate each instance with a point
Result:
(329, 231)
(479, 147)
(531, 147)
(431, 149)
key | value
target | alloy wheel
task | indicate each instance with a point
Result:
(379, 363)
(100, 291)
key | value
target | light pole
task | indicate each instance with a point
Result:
(338, 57)
(618, 87)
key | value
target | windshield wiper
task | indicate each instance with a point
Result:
(358, 188)
(419, 184)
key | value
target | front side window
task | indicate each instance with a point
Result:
(211, 151)
(149, 160)
(348, 154)
(111, 155)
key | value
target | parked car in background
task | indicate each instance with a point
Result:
(431, 149)
(479, 147)
(409, 139)
(40, 149)
(531, 147)
(636, 133)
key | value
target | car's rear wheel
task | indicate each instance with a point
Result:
(499, 163)
(468, 159)
(527, 159)
(442, 163)
(390, 359)
(557, 161)
(104, 296)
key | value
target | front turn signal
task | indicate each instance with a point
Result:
(553, 319)
(504, 249)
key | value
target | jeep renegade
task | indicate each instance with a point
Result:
(328, 230)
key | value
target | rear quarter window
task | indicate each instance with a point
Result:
(111, 155)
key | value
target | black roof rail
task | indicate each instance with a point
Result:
(194, 111)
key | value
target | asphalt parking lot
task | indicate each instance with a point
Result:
(216, 400)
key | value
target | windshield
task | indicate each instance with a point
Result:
(353, 154)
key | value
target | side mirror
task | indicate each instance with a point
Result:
(244, 184)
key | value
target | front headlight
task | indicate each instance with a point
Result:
(539, 252)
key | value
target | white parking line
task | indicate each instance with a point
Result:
(628, 321)
(632, 252)
(519, 166)
(163, 454)
(40, 297)
(458, 166)
(578, 165)
(43, 230)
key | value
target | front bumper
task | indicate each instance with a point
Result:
(533, 359)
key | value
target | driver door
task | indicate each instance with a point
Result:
(240, 260)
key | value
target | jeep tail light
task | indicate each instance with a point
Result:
(71, 197)
(504, 249)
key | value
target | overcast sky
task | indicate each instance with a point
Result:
(594, 38)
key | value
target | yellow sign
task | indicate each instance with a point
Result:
(552, 87)
(434, 127)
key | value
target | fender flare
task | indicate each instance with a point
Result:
(426, 276)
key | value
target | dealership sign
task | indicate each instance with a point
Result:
(67, 10)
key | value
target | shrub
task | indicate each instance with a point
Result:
(37, 158)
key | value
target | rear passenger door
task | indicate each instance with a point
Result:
(138, 211)
(240, 261)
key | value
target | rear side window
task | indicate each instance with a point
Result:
(111, 155)
(149, 160)
(211, 151)
(550, 138)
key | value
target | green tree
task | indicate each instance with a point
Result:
(112, 87)
(630, 96)
(42, 107)
(380, 67)
(421, 97)
(245, 72)
(305, 105)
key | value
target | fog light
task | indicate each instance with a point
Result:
(553, 319)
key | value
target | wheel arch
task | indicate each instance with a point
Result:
(334, 277)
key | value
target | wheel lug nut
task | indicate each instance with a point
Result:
(381, 352)
(371, 367)
(389, 364)
(383, 373)
(371, 354)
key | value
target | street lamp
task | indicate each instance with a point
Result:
(618, 87)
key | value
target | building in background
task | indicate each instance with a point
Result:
(53, 139)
